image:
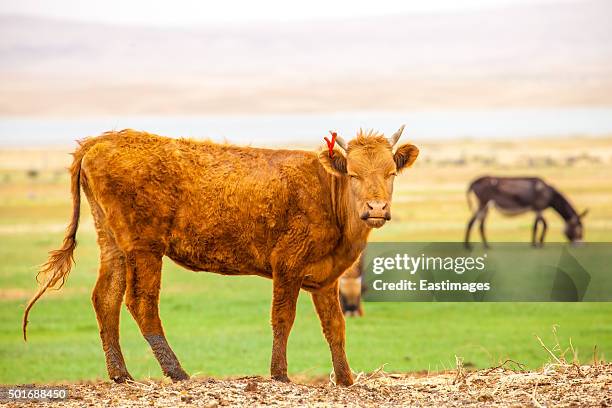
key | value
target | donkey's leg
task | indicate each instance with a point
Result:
(107, 298)
(332, 321)
(534, 231)
(482, 217)
(468, 230)
(142, 300)
(544, 229)
(284, 300)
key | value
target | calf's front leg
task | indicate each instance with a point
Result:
(328, 308)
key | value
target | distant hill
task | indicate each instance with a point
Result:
(543, 55)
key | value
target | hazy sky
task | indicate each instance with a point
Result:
(192, 12)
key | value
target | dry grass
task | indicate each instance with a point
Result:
(499, 387)
(560, 383)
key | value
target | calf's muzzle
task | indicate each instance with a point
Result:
(376, 213)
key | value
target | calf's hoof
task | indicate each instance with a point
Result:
(344, 381)
(282, 378)
(122, 378)
(177, 376)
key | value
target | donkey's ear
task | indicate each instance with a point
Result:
(405, 155)
(583, 214)
(336, 165)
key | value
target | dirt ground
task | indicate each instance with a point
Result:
(554, 385)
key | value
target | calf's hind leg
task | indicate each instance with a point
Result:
(107, 298)
(142, 300)
(108, 293)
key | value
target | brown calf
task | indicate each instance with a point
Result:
(299, 218)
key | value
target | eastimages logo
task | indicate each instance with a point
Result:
(507, 272)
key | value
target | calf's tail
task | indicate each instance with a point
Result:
(52, 274)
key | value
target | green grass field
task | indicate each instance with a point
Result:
(219, 325)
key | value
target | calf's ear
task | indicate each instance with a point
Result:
(405, 155)
(336, 165)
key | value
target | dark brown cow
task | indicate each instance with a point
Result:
(297, 217)
(517, 195)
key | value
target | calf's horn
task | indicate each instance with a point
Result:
(340, 142)
(395, 137)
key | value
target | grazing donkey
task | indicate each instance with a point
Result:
(299, 218)
(517, 195)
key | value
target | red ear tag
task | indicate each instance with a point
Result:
(330, 144)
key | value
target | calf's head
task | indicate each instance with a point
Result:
(369, 165)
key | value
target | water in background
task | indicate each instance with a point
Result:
(308, 129)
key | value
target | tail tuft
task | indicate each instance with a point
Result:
(52, 274)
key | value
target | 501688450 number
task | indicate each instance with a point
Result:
(29, 393)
